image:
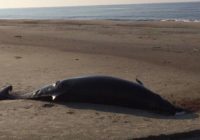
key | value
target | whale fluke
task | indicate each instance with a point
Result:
(5, 92)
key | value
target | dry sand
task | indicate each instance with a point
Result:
(164, 55)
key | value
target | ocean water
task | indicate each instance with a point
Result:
(169, 11)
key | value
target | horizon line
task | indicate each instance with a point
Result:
(99, 5)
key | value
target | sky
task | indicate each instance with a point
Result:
(53, 3)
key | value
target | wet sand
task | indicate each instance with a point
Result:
(164, 55)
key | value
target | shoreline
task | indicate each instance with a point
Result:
(114, 20)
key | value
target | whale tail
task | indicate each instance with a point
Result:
(5, 92)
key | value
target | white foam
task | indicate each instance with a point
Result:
(180, 20)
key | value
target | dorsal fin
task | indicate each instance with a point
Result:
(139, 82)
(4, 92)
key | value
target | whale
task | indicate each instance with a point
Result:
(104, 90)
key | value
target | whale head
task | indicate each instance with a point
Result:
(52, 90)
(46, 91)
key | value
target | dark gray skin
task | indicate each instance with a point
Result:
(102, 90)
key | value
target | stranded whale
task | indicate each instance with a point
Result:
(100, 90)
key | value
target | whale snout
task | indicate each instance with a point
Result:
(45, 91)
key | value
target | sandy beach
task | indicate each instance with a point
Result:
(33, 53)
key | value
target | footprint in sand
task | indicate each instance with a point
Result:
(18, 57)
(96, 113)
(28, 107)
(71, 112)
(114, 121)
(102, 118)
(126, 121)
(18, 36)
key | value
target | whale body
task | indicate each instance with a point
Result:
(101, 90)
